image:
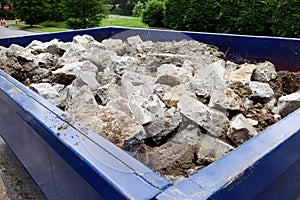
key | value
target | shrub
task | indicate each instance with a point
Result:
(285, 18)
(175, 14)
(138, 9)
(153, 14)
(256, 17)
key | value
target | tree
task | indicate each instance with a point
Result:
(138, 9)
(153, 14)
(55, 11)
(83, 14)
(31, 11)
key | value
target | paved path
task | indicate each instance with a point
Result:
(8, 32)
(15, 183)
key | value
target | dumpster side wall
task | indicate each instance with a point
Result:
(254, 170)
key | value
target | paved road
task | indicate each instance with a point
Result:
(7, 32)
(15, 183)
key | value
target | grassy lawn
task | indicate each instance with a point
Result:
(37, 28)
(51, 26)
(133, 22)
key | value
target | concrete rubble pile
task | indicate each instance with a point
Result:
(175, 106)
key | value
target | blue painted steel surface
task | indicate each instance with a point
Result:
(265, 167)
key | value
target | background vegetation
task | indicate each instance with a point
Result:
(255, 17)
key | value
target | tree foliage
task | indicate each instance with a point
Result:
(153, 14)
(82, 14)
(138, 9)
(255, 17)
(31, 11)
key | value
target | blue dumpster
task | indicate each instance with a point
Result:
(59, 153)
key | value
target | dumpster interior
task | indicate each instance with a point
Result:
(175, 106)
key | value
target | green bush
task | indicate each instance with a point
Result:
(256, 17)
(286, 18)
(175, 14)
(138, 9)
(153, 14)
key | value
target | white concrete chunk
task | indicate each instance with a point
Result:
(169, 74)
(261, 91)
(47, 91)
(240, 129)
(208, 78)
(288, 103)
(243, 74)
(210, 149)
(212, 120)
(264, 72)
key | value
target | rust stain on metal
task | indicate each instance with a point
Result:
(14, 90)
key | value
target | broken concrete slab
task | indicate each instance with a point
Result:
(243, 74)
(288, 103)
(188, 132)
(47, 91)
(99, 57)
(169, 74)
(172, 95)
(261, 92)
(137, 79)
(215, 122)
(225, 99)
(86, 78)
(78, 97)
(210, 149)
(264, 72)
(240, 130)
(114, 125)
(202, 85)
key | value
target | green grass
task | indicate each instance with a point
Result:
(132, 22)
(52, 26)
(38, 28)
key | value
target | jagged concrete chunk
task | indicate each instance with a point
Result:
(78, 98)
(117, 46)
(231, 66)
(86, 78)
(288, 103)
(209, 78)
(162, 125)
(99, 57)
(188, 132)
(137, 79)
(52, 47)
(133, 40)
(212, 120)
(47, 91)
(225, 99)
(172, 95)
(167, 155)
(264, 72)
(243, 74)
(169, 74)
(210, 149)
(87, 41)
(73, 53)
(114, 125)
(261, 91)
(240, 130)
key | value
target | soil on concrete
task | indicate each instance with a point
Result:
(285, 83)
